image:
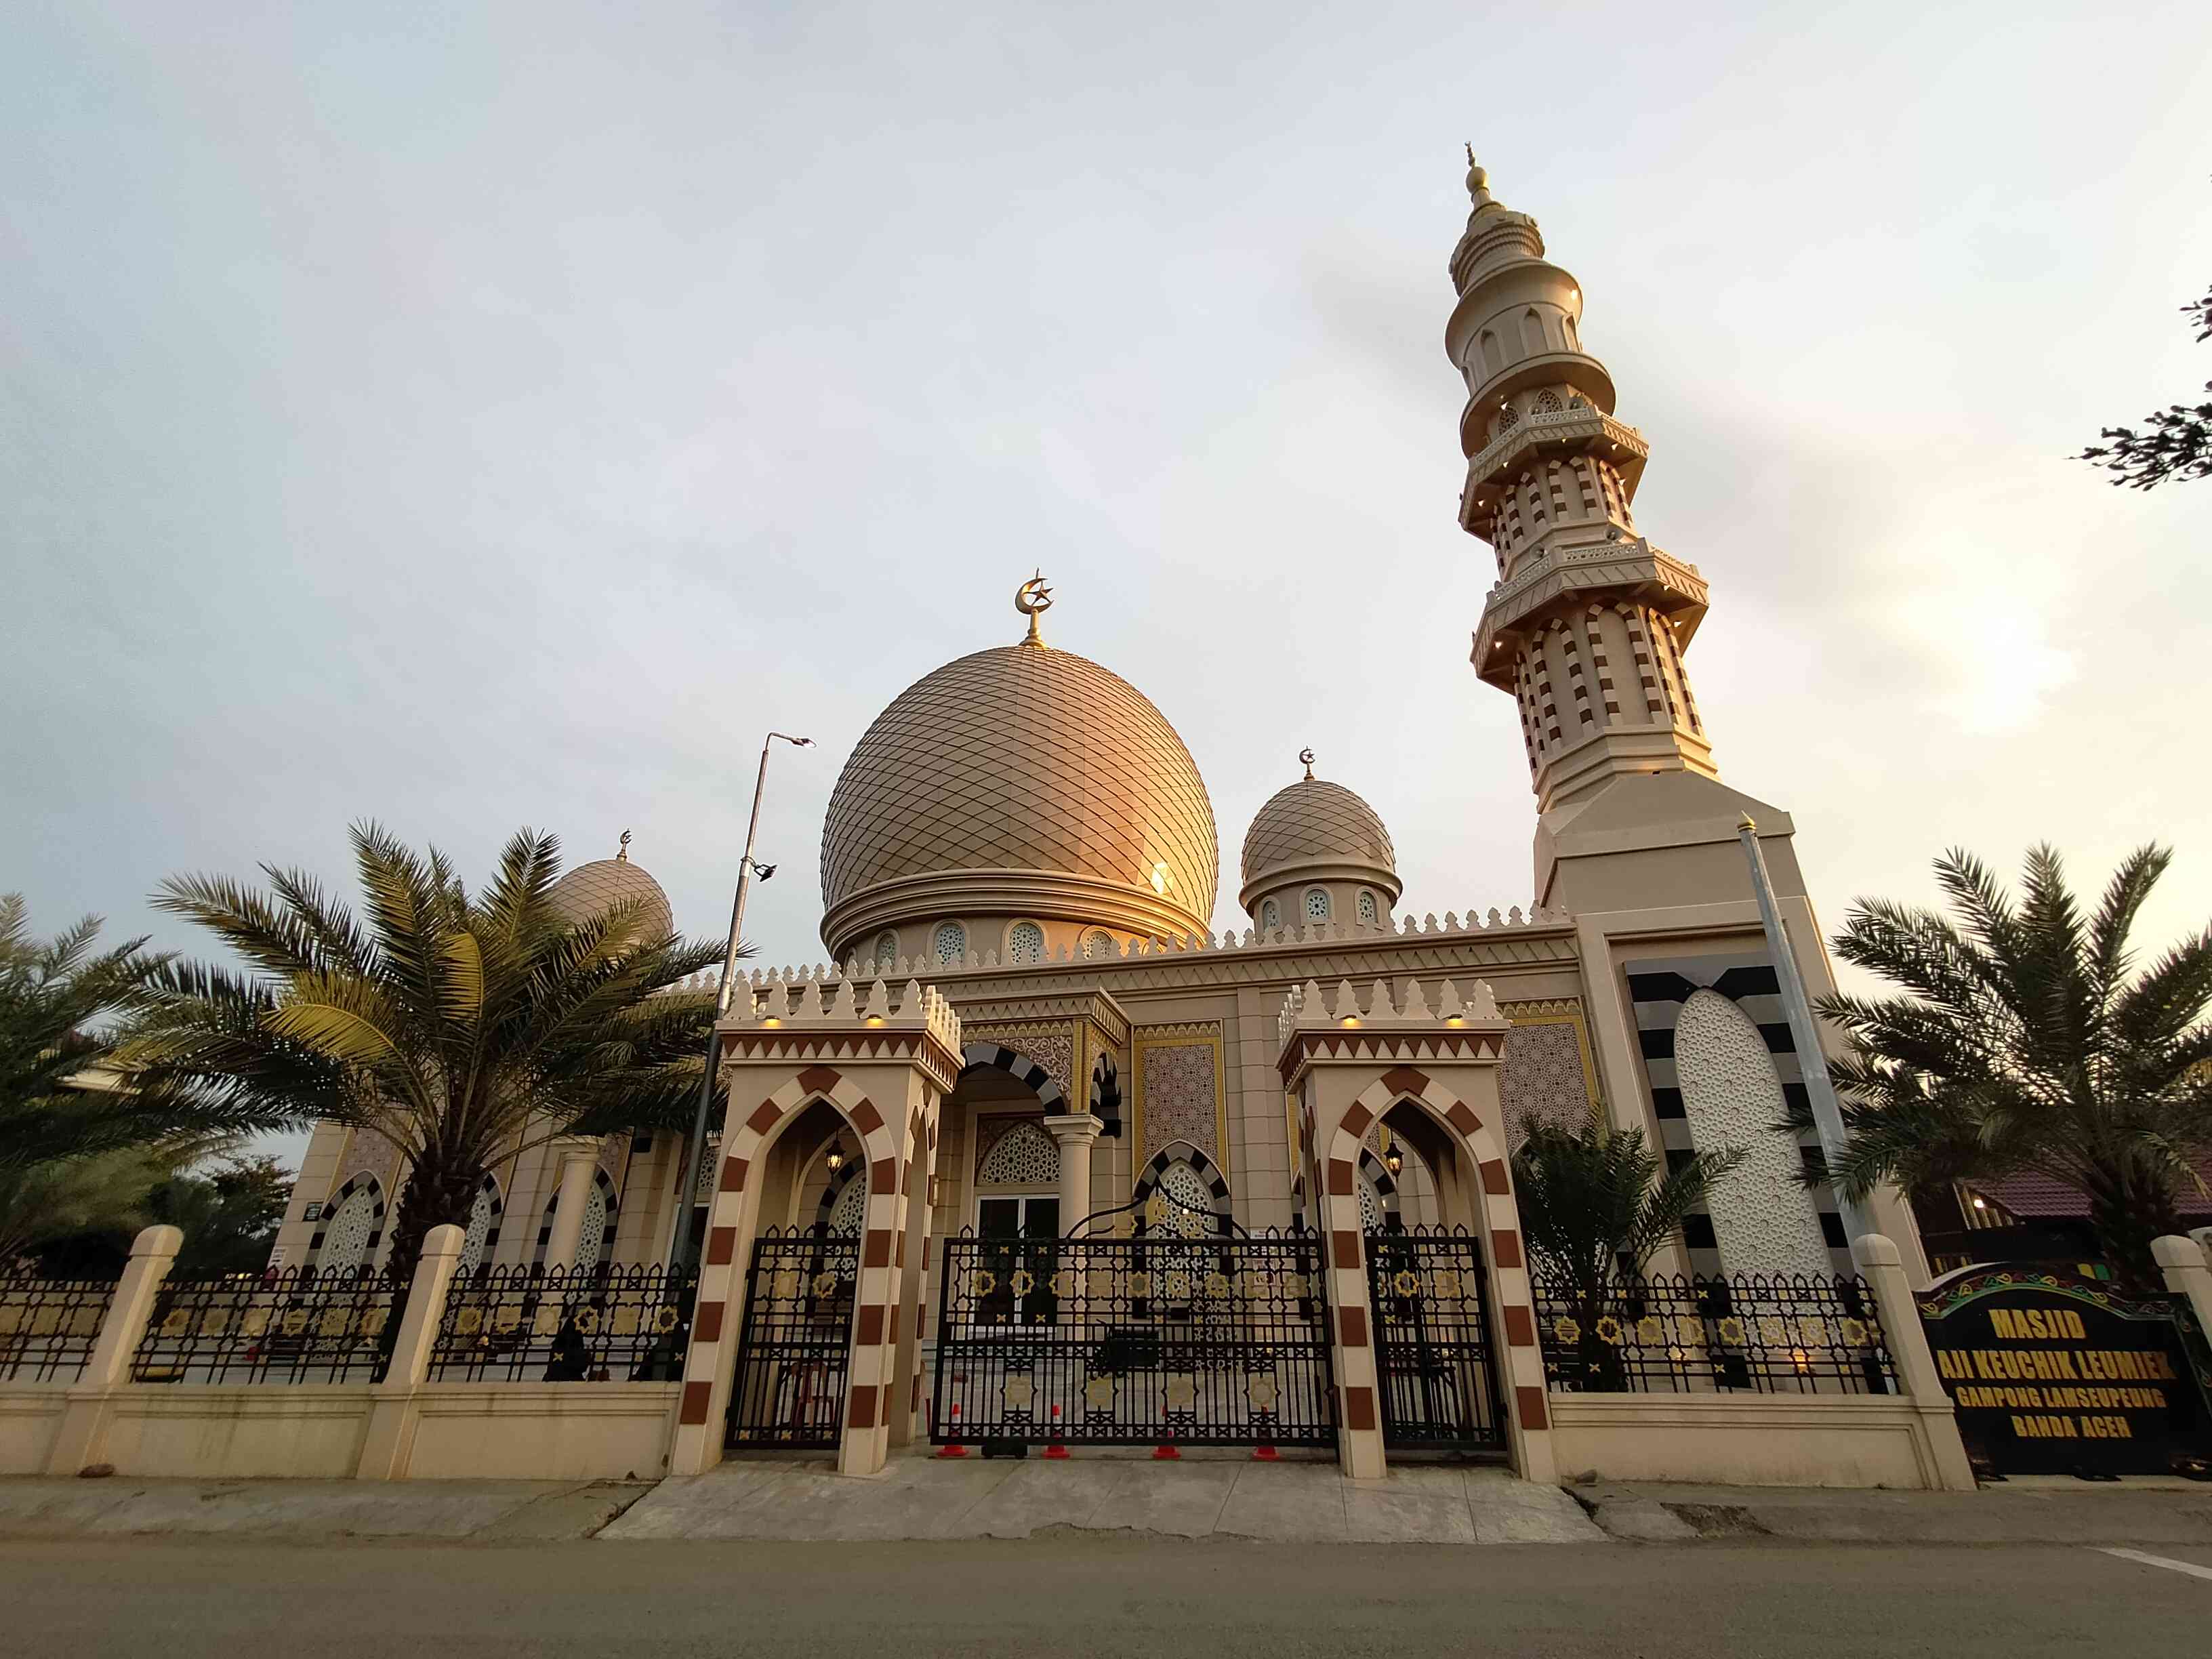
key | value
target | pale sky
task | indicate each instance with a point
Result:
(483, 416)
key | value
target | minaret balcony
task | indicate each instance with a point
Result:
(1607, 571)
(1580, 430)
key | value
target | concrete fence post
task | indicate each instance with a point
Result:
(2182, 1261)
(1879, 1260)
(90, 1408)
(390, 1442)
(2203, 1237)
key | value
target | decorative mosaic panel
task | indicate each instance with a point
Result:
(479, 1231)
(346, 1235)
(1020, 1154)
(594, 1241)
(1545, 1075)
(1766, 1220)
(848, 1213)
(1051, 1046)
(1179, 1088)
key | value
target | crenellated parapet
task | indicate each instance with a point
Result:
(1495, 924)
(1342, 1026)
(790, 1019)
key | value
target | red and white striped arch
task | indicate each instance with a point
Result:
(731, 1220)
(1513, 1319)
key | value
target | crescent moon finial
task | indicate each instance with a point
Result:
(622, 848)
(1032, 598)
(1306, 756)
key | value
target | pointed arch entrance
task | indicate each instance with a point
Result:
(794, 1349)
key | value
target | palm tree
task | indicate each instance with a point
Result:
(2028, 1042)
(58, 1097)
(1594, 1207)
(461, 1030)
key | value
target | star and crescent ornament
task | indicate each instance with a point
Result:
(1306, 759)
(1032, 598)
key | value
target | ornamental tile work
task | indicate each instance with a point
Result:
(1544, 1075)
(1177, 1096)
(1766, 1220)
(1020, 1154)
(1022, 757)
(1052, 1048)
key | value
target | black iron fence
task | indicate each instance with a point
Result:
(293, 1325)
(794, 1354)
(1432, 1350)
(598, 1324)
(1218, 1341)
(1788, 1334)
(48, 1326)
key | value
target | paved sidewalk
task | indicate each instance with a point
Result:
(919, 1497)
(480, 1511)
(2059, 1510)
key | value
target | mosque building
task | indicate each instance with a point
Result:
(1028, 1024)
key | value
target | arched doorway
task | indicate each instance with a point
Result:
(1429, 1290)
(794, 1351)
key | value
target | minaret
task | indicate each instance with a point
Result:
(1587, 623)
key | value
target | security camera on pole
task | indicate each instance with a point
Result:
(682, 1250)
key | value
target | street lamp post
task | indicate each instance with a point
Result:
(681, 1251)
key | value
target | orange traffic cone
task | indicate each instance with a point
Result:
(1165, 1452)
(952, 1448)
(1265, 1453)
(1053, 1446)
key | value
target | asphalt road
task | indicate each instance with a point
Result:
(1129, 1597)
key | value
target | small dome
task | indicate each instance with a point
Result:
(1316, 829)
(1021, 779)
(590, 889)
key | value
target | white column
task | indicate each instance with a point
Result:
(388, 1444)
(1907, 1340)
(1077, 1134)
(2182, 1261)
(85, 1417)
(579, 1163)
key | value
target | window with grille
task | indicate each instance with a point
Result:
(1370, 912)
(346, 1235)
(1025, 944)
(886, 950)
(1099, 945)
(1316, 904)
(1026, 1156)
(952, 943)
(1271, 914)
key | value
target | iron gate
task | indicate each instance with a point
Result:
(796, 1347)
(1432, 1341)
(1207, 1340)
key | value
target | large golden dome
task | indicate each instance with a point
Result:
(1019, 780)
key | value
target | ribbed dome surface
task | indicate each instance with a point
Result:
(1315, 822)
(1024, 757)
(589, 889)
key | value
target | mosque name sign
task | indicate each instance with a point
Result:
(2051, 1374)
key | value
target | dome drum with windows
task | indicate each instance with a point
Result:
(1317, 855)
(1016, 802)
